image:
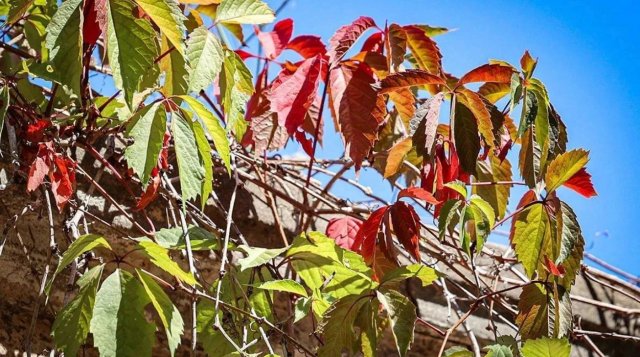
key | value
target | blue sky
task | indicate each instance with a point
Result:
(587, 58)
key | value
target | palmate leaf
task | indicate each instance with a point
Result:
(167, 311)
(205, 55)
(168, 17)
(546, 347)
(402, 317)
(132, 47)
(64, 41)
(244, 12)
(146, 128)
(71, 326)
(119, 326)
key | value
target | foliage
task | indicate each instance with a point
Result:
(386, 98)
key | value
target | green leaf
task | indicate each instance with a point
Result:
(132, 47)
(244, 12)
(205, 56)
(17, 10)
(302, 308)
(494, 170)
(71, 327)
(213, 342)
(427, 275)
(529, 231)
(402, 317)
(159, 256)
(173, 238)
(146, 128)
(564, 166)
(286, 285)
(457, 186)
(174, 66)
(119, 325)
(215, 129)
(168, 16)
(546, 347)
(465, 133)
(64, 41)
(257, 256)
(337, 326)
(81, 245)
(540, 315)
(458, 351)
(191, 171)
(236, 85)
(449, 217)
(4, 105)
(571, 244)
(204, 150)
(167, 311)
(498, 351)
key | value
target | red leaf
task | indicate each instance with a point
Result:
(63, 180)
(163, 158)
(151, 192)
(373, 43)
(495, 73)
(307, 46)
(418, 193)
(36, 131)
(357, 108)
(415, 77)
(346, 36)
(39, 169)
(292, 95)
(275, 41)
(307, 144)
(581, 183)
(344, 231)
(406, 225)
(555, 270)
(95, 20)
(244, 54)
(365, 240)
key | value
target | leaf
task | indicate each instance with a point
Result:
(458, 351)
(159, 256)
(71, 327)
(498, 351)
(528, 233)
(205, 56)
(119, 326)
(191, 171)
(337, 326)
(427, 275)
(493, 92)
(494, 73)
(346, 36)
(476, 105)
(257, 256)
(402, 318)
(168, 16)
(215, 129)
(406, 226)
(17, 10)
(236, 86)
(528, 64)
(212, 341)
(173, 238)
(132, 48)
(167, 311)
(449, 217)
(396, 45)
(286, 285)
(307, 46)
(539, 315)
(412, 77)
(174, 66)
(275, 41)
(94, 21)
(64, 41)
(581, 183)
(366, 237)
(343, 231)
(546, 347)
(80, 246)
(424, 49)
(358, 110)
(570, 243)
(564, 167)
(396, 157)
(494, 170)
(147, 128)
(465, 133)
(244, 12)
(427, 115)
(204, 151)
(418, 193)
(405, 103)
(292, 95)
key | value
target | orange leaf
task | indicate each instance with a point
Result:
(418, 193)
(414, 77)
(495, 73)
(424, 49)
(397, 153)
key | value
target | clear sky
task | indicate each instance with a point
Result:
(588, 55)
